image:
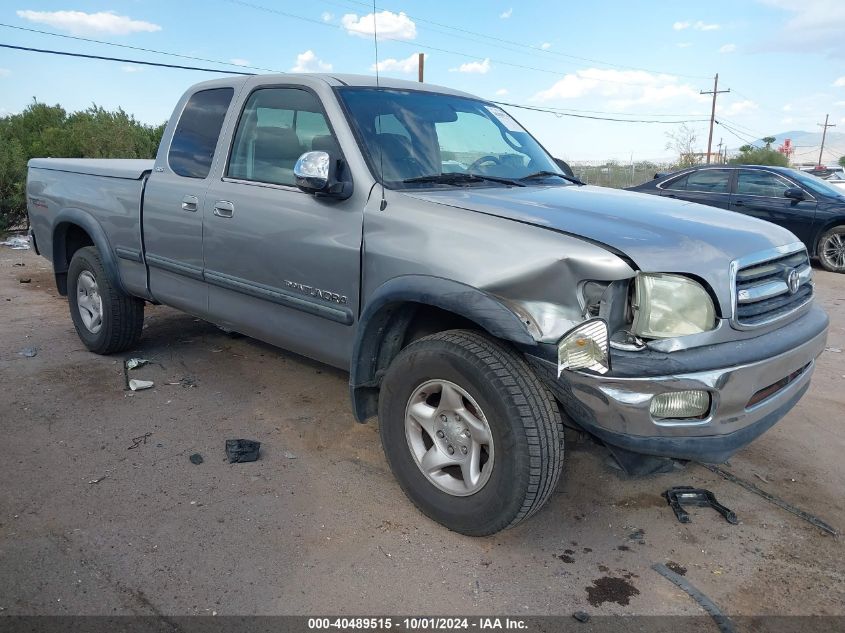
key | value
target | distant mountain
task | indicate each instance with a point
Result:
(807, 145)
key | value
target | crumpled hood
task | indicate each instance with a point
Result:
(658, 234)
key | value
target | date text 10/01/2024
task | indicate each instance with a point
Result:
(429, 623)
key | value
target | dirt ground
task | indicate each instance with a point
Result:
(101, 511)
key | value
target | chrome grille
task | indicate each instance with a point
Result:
(763, 292)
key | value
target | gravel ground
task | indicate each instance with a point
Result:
(101, 511)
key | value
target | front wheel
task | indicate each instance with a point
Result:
(106, 319)
(831, 250)
(471, 434)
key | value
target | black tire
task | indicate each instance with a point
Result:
(829, 251)
(122, 315)
(524, 421)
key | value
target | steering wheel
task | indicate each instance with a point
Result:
(489, 158)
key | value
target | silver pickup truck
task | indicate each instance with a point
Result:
(421, 239)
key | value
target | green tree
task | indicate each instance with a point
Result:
(842, 161)
(750, 155)
(42, 130)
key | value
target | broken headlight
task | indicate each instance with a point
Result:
(666, 306)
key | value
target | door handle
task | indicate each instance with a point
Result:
(190, 203)
(224, 209)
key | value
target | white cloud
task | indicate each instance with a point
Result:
(814, 27)
(131, 69)
(81, 23)
(703, 26)
(239, 61)
(391, 26)
(787, 120)
(546, 45)
(407, 65)
(506, 14)
(680, 26)
(501, 92)
(624, 88)
(326, 16)
(481, 68)
(738, 107)
(308, 62)
(5, 72)
(728, 48)
(839, 83)
(787, 107)
(838, 103)
(683, 44)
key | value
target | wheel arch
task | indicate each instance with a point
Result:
(74, 229)
(410, 304)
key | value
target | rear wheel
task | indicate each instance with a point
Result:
(106, 319)
(471, 434)
(831, 250)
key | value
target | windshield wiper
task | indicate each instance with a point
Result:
(458, 178)
(545, 174)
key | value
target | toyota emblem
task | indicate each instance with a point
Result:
(793, 281)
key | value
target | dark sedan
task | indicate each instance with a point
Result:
(808, 206)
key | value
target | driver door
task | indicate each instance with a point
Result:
(759, 194)
(282, 265)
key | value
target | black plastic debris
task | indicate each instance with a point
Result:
(242, 450)
(679, 496)
(196, 459)
(581, 616)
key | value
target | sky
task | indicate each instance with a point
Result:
(783, 60)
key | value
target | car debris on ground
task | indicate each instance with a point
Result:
(239, 451)
(678, 496)
(196, 459)
(28, 352)
(17, 243)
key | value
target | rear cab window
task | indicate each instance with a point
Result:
(195, 138)
(703, 181)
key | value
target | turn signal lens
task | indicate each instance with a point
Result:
(680, 404)
(584, 347)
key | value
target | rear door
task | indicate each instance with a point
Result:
(705, 186)
(173, 202)
(759, 193)
(282, 265)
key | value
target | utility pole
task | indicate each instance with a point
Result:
(713, 92)
(421, 66)
(720, 150)
(824, 135)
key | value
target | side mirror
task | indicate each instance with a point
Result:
(316, 173)
(794, 193)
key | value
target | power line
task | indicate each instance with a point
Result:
(418, 45)
(125, 61)
(217, 70)
(500, 40)
(595, 118)
(134, 48)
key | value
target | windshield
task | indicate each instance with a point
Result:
(420, 136)
(816, 184)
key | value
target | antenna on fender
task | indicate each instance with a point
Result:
(383, 203)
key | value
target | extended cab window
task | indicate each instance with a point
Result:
(277, 126)
(704, 181)
(192, 147)
(752, 182)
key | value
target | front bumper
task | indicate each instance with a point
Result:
(615, 406)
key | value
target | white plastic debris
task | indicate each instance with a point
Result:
(289, 455)
(835, 350)
(28, 352)
(133, 363)
(17, 243)
(140, 385)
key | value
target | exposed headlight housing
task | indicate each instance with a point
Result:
(666, 306)
(584, 347)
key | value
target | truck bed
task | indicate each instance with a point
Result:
(128, 168)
